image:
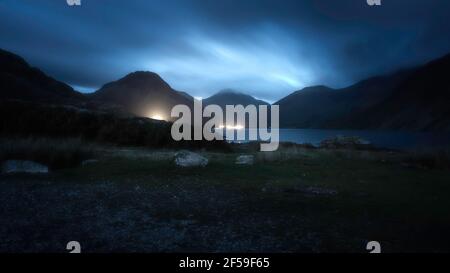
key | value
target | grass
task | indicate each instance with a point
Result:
(376, 200)
(264, 207)
(55, 153)
(434, 159)
(66, 122)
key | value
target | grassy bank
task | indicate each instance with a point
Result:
(300, 199)
(55, 153)
(22, 119)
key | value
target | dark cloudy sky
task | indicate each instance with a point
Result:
(267, 48)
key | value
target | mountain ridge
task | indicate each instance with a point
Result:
(410, 99)
(374, 102)
(232, 97)
(19, 80)
(142, 93)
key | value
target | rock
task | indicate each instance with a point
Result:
(190, 159)
(245, 160)
(348, 142)
(23, 166)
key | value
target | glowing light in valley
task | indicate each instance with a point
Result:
(230, 127)
(157, 117)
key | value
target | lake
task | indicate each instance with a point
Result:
(402, 140)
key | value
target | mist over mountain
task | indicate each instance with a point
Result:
(412, 99)
(420, 102)
(324, 107)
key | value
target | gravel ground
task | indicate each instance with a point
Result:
(131, 201)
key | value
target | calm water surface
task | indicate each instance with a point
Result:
(383, 139)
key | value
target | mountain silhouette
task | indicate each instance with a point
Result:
(324, 107)
(411, 99)
(143, 94)
(232, 97)
(420, 102)
(20, 81)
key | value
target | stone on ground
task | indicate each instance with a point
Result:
(190, 159)
(245, 160)
(23, 166)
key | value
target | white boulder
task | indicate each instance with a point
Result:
(23, 166)
(190, 159)
(245, 160)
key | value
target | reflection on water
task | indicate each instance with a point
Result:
(383, 139)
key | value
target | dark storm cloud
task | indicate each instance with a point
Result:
(266, 48)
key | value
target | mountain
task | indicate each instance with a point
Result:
(324, 107)
(20, 81)
(413, 99)
(420, 102)
(143, 94)
(232, 97)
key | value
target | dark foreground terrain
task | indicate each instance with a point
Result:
(296, 200)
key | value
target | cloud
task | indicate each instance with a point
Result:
(267, 48)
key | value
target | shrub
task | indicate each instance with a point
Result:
(25, 119)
